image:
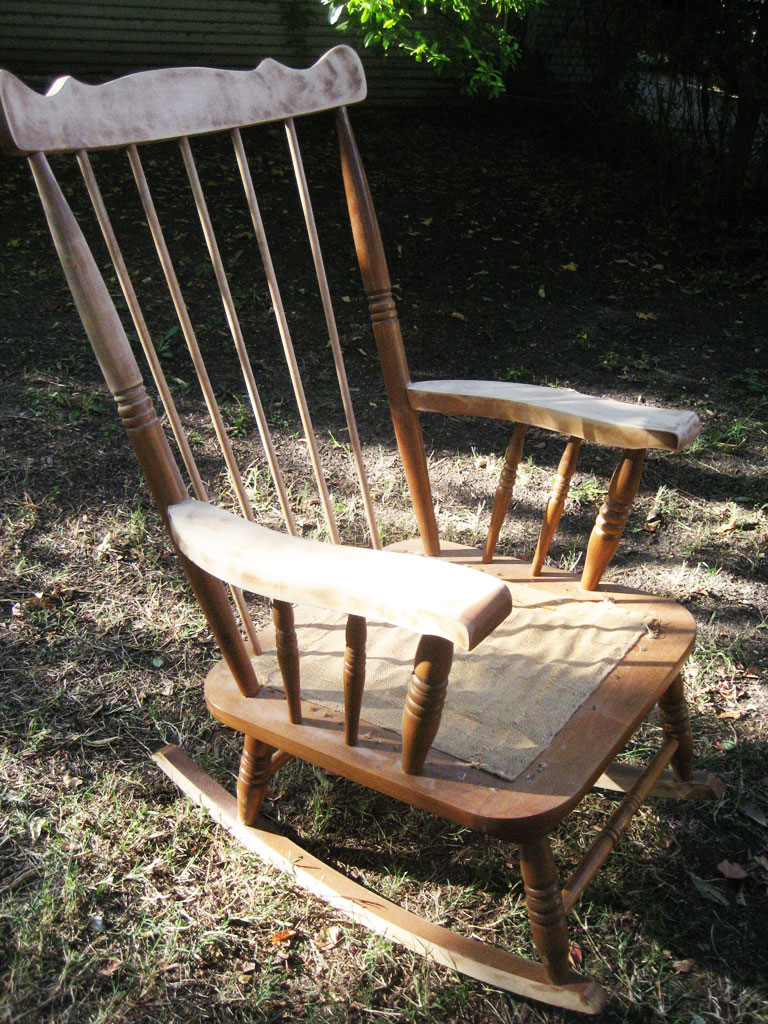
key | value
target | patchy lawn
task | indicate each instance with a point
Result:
(121, 902)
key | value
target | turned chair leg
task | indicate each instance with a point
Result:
(545, 907)
(253, 777)
(676, 724)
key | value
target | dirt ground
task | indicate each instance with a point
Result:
(510, 259)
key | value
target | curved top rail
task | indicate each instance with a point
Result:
(171, 102)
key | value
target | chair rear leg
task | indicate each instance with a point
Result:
(252, 779)
(545, 907)
(676, 724)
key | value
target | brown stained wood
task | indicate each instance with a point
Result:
(121, 372)
(354, 675)
(386, 330)
(556, 503)
(536, 801)
(423, 595)
(545, 907)
(165, 104)
(480, 960)
(612, 518)
(288, 657)
(255, 772)
(424, 701)
(622, 424)
(616, 825)
(676, 724)
(504, 489)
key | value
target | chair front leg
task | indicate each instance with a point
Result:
(545, 907)
(252, 779)
(676, 724)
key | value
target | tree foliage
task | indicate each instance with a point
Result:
(477, 39)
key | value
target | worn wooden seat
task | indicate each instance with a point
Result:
(554, 673)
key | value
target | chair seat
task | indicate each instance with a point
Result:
(543, 784)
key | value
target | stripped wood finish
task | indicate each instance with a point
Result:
(567, 412)
(172, 103)
(453, 596)
(425, 596)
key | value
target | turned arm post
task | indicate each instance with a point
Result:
(612, 517)
(386, 330)
(425, 699)
(121, 372)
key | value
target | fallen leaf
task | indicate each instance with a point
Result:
(570, 266)
(646, 316)
(709, 891)
(328, 938)
(282, 936)
(729, 869)
(542, 292)
(575, 955)
(684, 966)
(755, 813)
(426, 221)
(458, 316)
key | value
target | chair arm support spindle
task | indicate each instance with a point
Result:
(612, 518)
(504, 489)
(424, 701)
(560, 487)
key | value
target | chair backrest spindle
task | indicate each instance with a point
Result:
(333, 334)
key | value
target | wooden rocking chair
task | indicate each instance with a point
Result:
(560, 672)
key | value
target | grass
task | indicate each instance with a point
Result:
(120, 902)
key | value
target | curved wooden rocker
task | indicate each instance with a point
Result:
(555, 673)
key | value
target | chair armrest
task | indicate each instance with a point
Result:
(423, 594)
(605, 420)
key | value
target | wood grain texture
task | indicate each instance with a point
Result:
(556, 503)
(355, 635)
(612, 518)
(424, 701)
(539, 798)
(568, 412)
(252, 778)
(121, 372)
(386, 331)
(421, 595)
(172, 102)
(480, 960)
(506, 485)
